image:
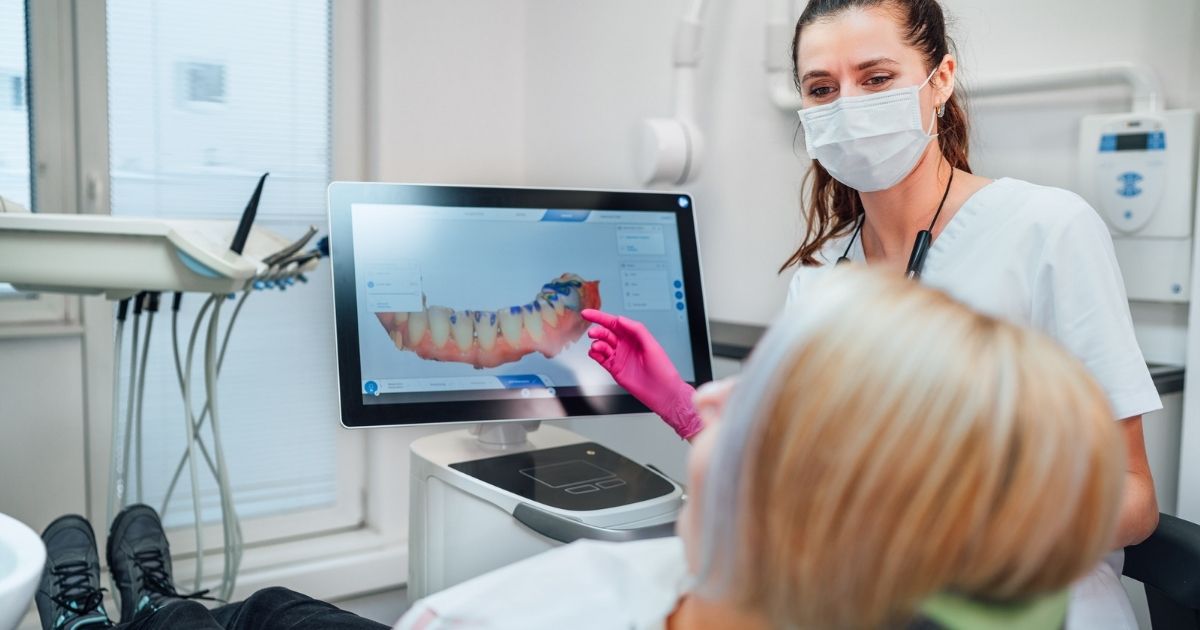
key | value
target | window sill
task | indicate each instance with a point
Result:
(39, 331)
(325, 567)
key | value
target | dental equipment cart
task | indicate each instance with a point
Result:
(133, 261)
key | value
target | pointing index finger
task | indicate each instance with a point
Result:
(598, 317)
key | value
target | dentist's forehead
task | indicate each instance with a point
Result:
(853, 38)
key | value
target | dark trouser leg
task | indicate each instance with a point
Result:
(278, 608)
(182, 615)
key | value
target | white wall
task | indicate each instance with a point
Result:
(42, 448)
(447, 92)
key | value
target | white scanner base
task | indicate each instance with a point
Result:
(461, 527)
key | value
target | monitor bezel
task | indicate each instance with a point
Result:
(355, 414)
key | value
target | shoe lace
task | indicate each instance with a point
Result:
(73, 580)
(156, 579)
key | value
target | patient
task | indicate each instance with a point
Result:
(888, 459)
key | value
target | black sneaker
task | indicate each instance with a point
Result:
(140, 560)
(70, 596)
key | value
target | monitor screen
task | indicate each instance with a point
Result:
(461, 304)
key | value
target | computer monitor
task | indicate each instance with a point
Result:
(461, 304)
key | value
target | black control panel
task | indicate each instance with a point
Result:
(577, 477)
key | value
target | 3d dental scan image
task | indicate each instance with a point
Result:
(490, 338)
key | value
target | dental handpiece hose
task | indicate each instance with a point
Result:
(123, 466)
(122, 313)
(151, 307)
(190, 423)
(225, 490)
(183, 459)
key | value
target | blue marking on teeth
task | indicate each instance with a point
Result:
(537, 306)
(563, 290)
(454, 319)
(553, 297)
(478, 315)
(493, 318)
(514, 309)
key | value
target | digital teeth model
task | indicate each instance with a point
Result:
(488, 339)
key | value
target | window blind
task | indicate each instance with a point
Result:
(203, 98)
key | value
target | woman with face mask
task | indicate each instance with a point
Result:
(971, 505)
(891, 187)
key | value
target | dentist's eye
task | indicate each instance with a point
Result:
(878, 80)
(820, 91)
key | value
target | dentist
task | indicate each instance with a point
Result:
(891, 187)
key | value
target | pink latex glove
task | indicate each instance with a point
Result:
(639, 364)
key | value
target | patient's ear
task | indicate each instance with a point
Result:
(710, 399)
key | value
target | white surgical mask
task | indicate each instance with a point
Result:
(868, 142)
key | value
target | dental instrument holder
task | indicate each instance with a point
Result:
(493, 494)
(125, 258)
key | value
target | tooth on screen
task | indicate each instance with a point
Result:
(462, 326)
(547, 311)
(418, 323)
(533, 322)
(510, 325)
(485, 329)
(439, 325)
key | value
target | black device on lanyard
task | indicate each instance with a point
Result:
(916, 260)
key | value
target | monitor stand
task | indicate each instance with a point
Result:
(504, 436)
(488, 496)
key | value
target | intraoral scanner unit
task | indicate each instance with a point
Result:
(461, 305)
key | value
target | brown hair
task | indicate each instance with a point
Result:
(835, 207)
(986, 465)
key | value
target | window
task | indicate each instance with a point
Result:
(15, 183)
(188, 137)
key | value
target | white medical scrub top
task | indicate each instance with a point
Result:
(586, 585)
(1042, 257)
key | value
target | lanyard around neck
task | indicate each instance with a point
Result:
(916, 259)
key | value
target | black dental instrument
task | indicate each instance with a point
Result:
(916, 259)
(243, 229)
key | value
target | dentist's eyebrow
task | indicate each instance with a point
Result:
(870, 63)
(814, 74)
(881, 61)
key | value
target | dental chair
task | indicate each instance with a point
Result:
(1168, 566)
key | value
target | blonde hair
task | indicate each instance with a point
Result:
(899, 445)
